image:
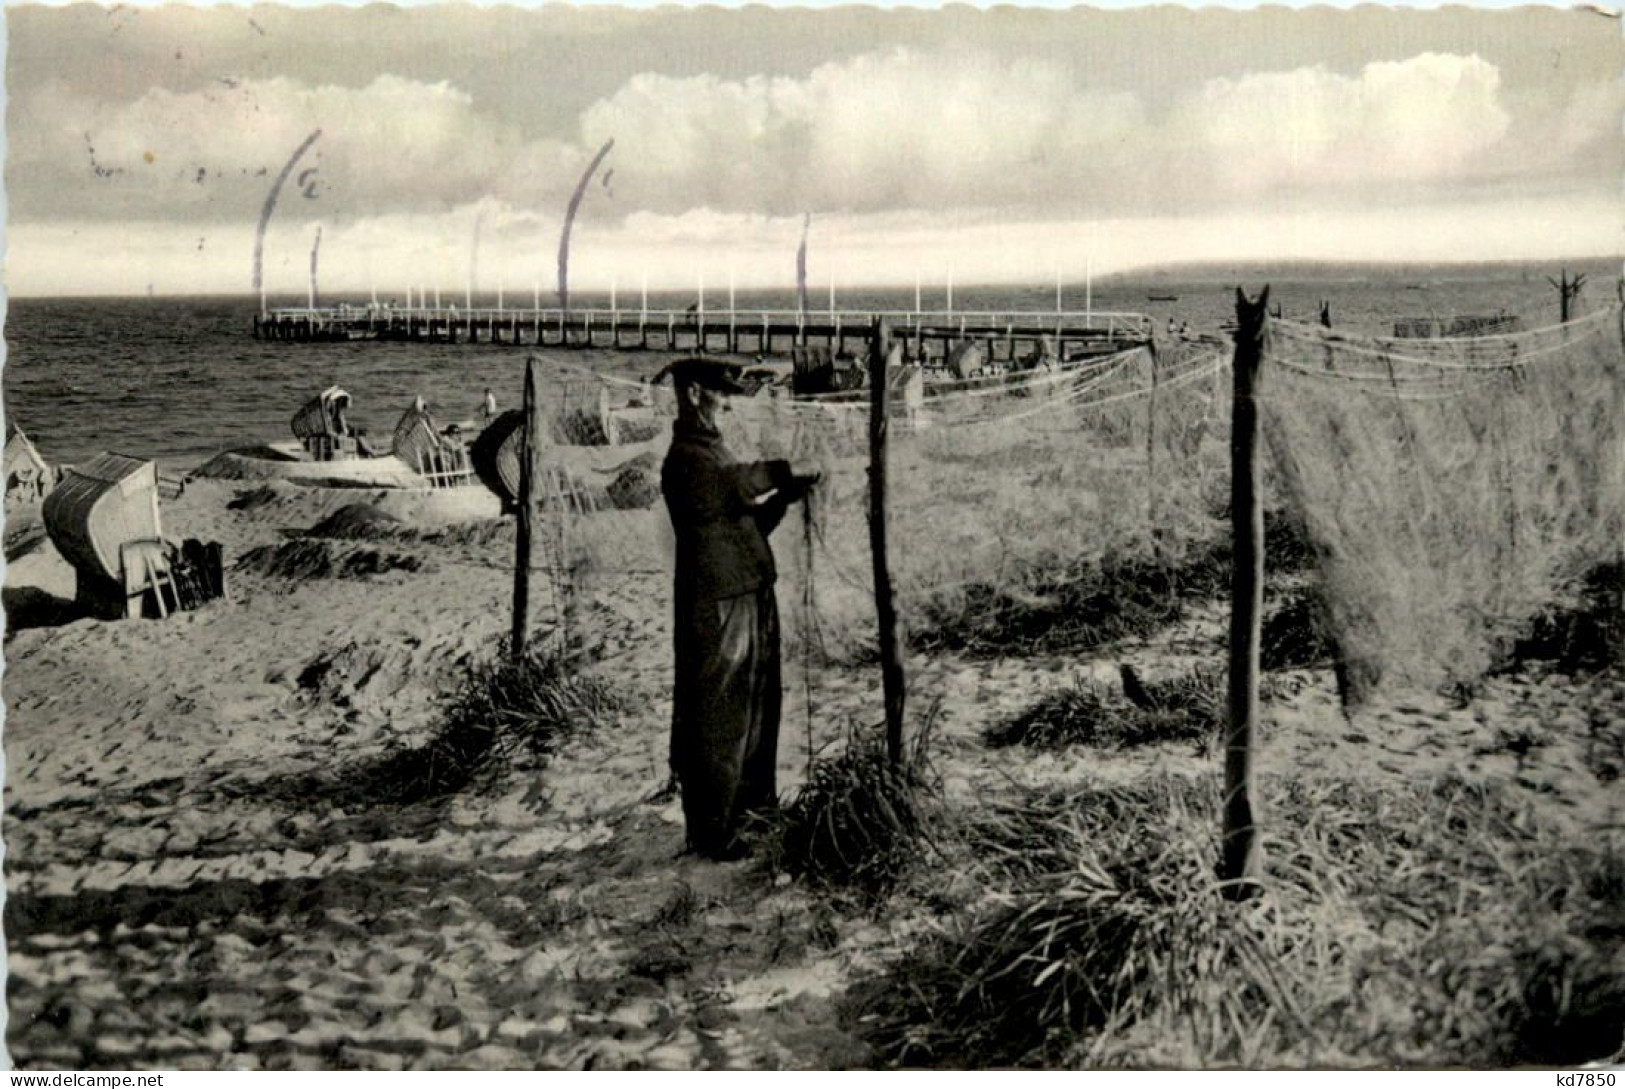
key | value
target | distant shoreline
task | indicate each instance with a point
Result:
(1196, 272)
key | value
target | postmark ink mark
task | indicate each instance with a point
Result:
(270, 205)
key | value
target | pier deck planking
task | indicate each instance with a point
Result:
(1007, 335)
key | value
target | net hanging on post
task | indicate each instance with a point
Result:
(601, 515)
(1050, 510)
(1451, 488)
(1007, 493)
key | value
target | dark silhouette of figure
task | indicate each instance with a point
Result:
(727, 691)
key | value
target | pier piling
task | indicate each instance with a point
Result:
(768, 333)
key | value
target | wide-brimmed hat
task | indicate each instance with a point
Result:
(712, 374)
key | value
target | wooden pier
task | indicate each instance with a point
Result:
(930, 335)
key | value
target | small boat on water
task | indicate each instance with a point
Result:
(93, 514)
(1162, 298)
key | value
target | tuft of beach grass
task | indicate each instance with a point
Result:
(1435, 924)
(500, 709)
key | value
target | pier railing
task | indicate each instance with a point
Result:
(759, 331)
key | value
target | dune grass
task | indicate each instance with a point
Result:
(1583, 630)
(1186, 707)
(859, 823)
(1061, 608)
(1434, 924)
(1055, 605)
(499, 710)
(309, 558)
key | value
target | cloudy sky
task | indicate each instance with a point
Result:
(992, 145)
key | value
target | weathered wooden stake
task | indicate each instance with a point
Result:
(1242, 865)
(891, 644)
(1327, 357)
(1151, 454)
(530, 506)
(1618, 371)
(1568, 293)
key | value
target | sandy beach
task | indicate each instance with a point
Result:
(1251, 393)
(194, 882)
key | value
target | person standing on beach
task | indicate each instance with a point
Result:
(490, 407)
(727, 694)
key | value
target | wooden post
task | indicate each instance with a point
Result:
(1618, 370)
(1151, 453)
(1328, 356)
(1243, 862)
(530, 506)
(891, 643)
(1568, 292)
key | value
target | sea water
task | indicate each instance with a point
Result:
(181, 379)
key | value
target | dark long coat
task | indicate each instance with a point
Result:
(727, 691)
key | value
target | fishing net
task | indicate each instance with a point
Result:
(602, 525)
(1010, 497)
(1050, 508)
(1451, 487)
(1438, 494)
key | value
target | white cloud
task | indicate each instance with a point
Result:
(967, 130)
(953, 130)
(213, 153)
(882, 130)
(911, 160)
(1423, 119)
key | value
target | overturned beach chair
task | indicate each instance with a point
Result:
(440, 459)
(103, 518)
(90, 516)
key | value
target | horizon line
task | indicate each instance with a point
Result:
(937, 286)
